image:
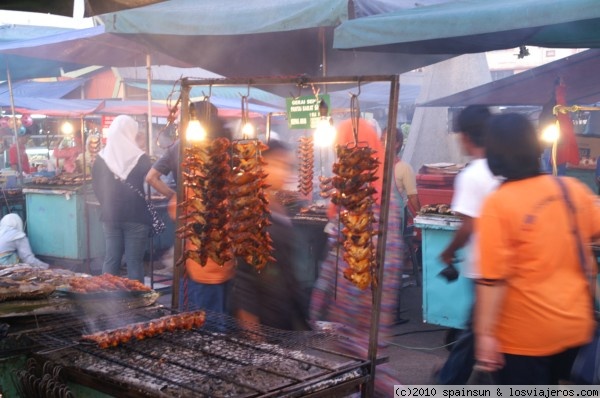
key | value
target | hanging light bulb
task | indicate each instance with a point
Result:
(550, 134)
(248, 130)
(325, 131)
(67, 128)
(195, 132)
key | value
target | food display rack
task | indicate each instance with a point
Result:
(316, 84)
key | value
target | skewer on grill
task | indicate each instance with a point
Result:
(143, 330)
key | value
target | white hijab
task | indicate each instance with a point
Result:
(11, 228)
(121, 152)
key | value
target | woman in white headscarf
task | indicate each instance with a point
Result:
(14, 245)
(118, 180)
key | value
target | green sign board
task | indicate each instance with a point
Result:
(303, 112)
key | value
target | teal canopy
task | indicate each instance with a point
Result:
(473, 26)
(238, 38)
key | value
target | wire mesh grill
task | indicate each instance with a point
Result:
(223, 358)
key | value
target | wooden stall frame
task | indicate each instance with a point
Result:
(388, 165)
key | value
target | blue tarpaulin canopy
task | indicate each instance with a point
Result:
(473, 26)
(90, 46)
(162, 91)
(54, 106)
(24, 67)
(33, 89)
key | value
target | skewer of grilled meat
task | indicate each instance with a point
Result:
(142, 330)
(105, 283)
(207, 177)
(248, 204)
(306, 163)
(354, 172)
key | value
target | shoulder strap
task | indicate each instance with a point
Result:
(573, 220)
(576, 234)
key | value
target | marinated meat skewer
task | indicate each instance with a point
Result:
(207, 175)
(143, 330)
(248, 204)
(105, 283)
(306, 161)
(354, 173)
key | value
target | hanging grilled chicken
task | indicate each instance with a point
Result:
(306, 163)
(354, 173)
(248, 204)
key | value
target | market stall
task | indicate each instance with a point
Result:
(93, 341)
(193, 152)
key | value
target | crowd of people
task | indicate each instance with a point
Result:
(520, 229)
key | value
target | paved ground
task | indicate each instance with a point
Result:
(417, 347)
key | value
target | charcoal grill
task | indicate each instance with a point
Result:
(221, 359)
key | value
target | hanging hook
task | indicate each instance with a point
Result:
(355, 116)
(315, 91)
(359, 89)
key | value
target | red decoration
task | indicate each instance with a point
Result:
(567, 150)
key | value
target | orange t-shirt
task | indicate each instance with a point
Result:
(211, 273)
(366, 136)
(525, 239)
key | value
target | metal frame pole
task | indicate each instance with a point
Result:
(178, 248)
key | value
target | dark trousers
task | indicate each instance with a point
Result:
(459, 364)
(520, 369)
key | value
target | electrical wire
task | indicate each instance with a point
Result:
(422, 348)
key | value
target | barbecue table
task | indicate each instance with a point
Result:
(219, 359)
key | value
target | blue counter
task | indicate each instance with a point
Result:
(444, 303)
(57, 225)
(63, 224)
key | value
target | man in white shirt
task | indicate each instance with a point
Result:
(471, 187)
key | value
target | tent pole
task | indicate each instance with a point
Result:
(149, 88)
(323, 51)
(178, 249)
(14, 118)
(388, 178)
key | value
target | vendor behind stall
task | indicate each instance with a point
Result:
(14, 244)
(68, 150)
(13, 155)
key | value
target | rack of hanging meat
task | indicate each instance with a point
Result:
(251, 367)
(158, 352)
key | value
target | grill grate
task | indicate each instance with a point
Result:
(221, 359)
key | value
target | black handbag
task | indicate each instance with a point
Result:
(158, 225)
(586, 367)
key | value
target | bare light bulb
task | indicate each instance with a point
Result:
(550, 134)
(195, 132)
(248, 130)
(324, 133)
(67, 128)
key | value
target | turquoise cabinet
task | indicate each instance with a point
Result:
(586, 175)
(444, 303)
(57, 225)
